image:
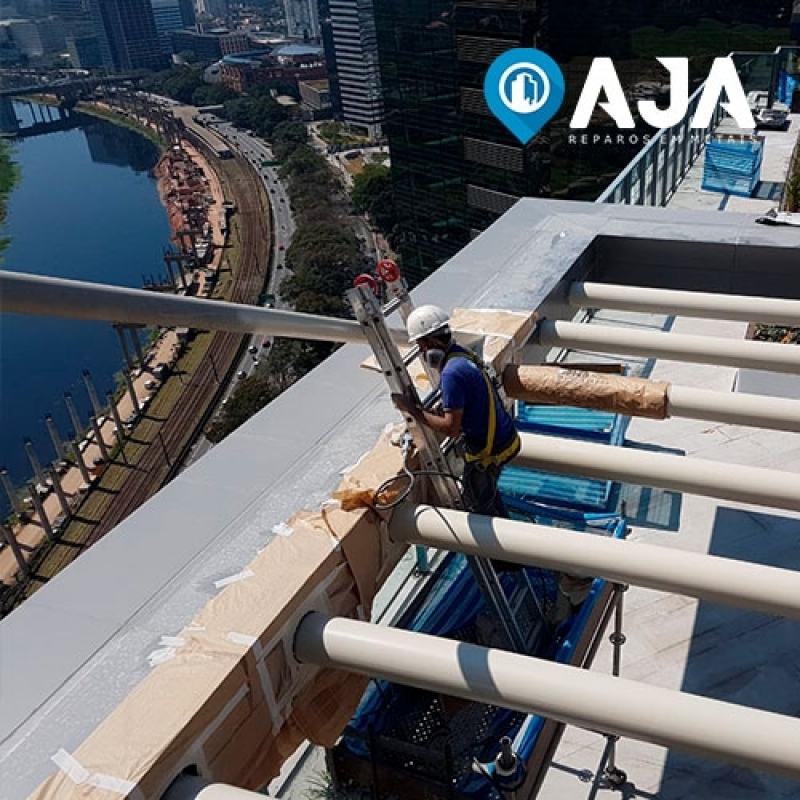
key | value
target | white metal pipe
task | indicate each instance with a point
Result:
(194, 787)
(741, 735)
(720, 580)
(57, 297)
(775, 311)
(763, 487)
(677, 346)
(778, 413)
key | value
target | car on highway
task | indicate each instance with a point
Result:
(252, 349)
(281, 247)
(241, 374)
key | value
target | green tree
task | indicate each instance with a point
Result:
(212, 94)
(372, 194)
(287, 137)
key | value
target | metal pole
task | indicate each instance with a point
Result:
(57, 297)
(36, 465)
(137, 344)
(115, 415)
(193, 787)
(73, 414)
(92, 392)
(676, 346)
(777, 413)
(762, 487)
(98, 435)
(120, 329)
(59, 490)
(7, 535)
(770, 310)
(10, 491)
(744, 736)
(126, 376)
(58, 445)
(76, 451)
(39, 506)
(719, 580)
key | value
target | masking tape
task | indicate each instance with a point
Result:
(79, 775)
(239, 576)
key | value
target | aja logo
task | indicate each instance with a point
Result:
(524, 88)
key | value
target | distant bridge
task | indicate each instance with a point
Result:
(68, 89)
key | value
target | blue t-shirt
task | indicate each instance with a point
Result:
(464, 387)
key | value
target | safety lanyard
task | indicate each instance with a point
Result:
(484, 456)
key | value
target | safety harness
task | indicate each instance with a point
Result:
(485, 457)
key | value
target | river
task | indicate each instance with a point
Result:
(86, 208)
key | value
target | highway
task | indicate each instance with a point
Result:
(256, 151)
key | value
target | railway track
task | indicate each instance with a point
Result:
(158, 462)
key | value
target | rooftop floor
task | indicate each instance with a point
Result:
(677, 642)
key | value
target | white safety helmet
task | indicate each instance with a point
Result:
(425, 320)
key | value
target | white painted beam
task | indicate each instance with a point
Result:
(744, 736)
(769, 310)
(763, 487)
(720, 580)
(769, 356)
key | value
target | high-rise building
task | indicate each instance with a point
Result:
(455, 167)
(168, 18)
(302, 19)
(348, 33)
(127, 33)
(69, 9)
(216, 9)
(84, 51)
(187, 12)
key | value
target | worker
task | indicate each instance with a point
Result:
(470, 408)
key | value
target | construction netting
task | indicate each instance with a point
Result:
(733, 164)
(784, 91)
(434, 740)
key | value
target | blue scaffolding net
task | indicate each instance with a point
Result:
(733, 164)
(432, 743)
(786, 85)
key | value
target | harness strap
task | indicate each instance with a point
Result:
(485, 456)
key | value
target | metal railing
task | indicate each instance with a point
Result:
(653, 176)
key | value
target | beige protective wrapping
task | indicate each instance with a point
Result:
(228, 697)
(569, 387)
(497, 336)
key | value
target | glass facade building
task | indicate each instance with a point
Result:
(126, 30)
(455, 167)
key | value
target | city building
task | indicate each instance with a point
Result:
(216, 9)
(69, 9)
(283, 66)
(349, 37)
(187, 12)
(210, 45)
(302, 19)
(316, 98)
(168, 18)
(455, 167)
(84, 51)
(127, 34)
(34, 38)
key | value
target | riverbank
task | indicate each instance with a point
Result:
(9, 174)
(192, 196)
(191, 193)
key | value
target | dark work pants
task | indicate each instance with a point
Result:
(480, 490)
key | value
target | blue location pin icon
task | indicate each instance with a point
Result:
(524, 88)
